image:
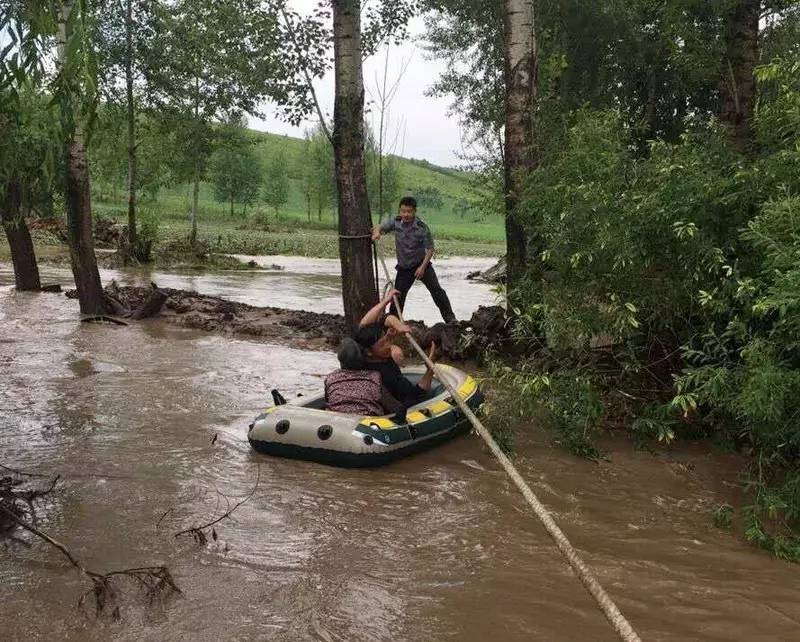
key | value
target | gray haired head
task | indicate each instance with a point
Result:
(351, 355)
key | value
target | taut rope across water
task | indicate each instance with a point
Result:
(604, 601)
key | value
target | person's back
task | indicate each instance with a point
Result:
(356, 392)
(353, 389)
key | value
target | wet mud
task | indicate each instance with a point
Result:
(465, 340)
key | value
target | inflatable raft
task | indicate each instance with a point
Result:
(303, 429)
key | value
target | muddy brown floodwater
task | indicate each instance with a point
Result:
(437, 547)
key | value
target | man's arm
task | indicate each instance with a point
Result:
(429, 247)
(376, 312)
(384, 228)
(426, 379)
(420, 272)
(394, 323)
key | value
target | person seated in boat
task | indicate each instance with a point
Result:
(353, 389)
(375, 335)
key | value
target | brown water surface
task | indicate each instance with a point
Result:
(437, 547)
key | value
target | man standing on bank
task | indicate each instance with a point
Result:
(414, 245)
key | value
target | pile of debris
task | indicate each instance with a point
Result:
(463, 341)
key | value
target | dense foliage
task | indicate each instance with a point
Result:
(671, 298)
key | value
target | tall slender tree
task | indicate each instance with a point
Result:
(355, 250)
(235, 168)
(276, 182)
(123, 34)
(131, 121)
(738, 82)
(307, 54)
(76, 94)
(520, 77)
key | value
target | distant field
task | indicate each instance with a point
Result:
(225, 238)
(173, 205)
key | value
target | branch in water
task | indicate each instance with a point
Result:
(155, 579)
(197, 531)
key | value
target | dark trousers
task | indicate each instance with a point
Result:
(405, 279)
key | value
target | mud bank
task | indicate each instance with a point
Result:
(310, 330)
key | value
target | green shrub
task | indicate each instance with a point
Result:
(670, 297)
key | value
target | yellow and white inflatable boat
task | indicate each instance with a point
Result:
(303, 429)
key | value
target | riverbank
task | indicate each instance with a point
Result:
(463, 341)
(313, 240)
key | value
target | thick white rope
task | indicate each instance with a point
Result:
(606, 604)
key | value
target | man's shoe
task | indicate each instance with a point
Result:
(451, 320)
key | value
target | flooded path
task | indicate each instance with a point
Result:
(437, 547)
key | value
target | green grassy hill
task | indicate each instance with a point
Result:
(470, 232)
(448, 221)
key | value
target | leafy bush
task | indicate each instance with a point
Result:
(744, 370)
(670, 302)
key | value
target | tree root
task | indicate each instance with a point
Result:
(150, 307)
(120, 307)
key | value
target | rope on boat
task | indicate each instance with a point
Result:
(604, 601)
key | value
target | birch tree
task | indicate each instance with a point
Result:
(520, 77)
(738, 83)
(76, 95)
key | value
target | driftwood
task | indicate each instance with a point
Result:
(103, 318)
(494, 275)
(127, 303)
(155, 580)
(152, 306)
(122, 307)
(17, 510)
(16, 499)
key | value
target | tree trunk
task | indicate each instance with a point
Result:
(78, 197)
(520, 75)
(231, 206)
(195, 199)
(196, 184)
(26, 271)
(738, 84)
(79, 228)
(355, 248)
(131, 125)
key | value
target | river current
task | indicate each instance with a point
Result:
(147, 427)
